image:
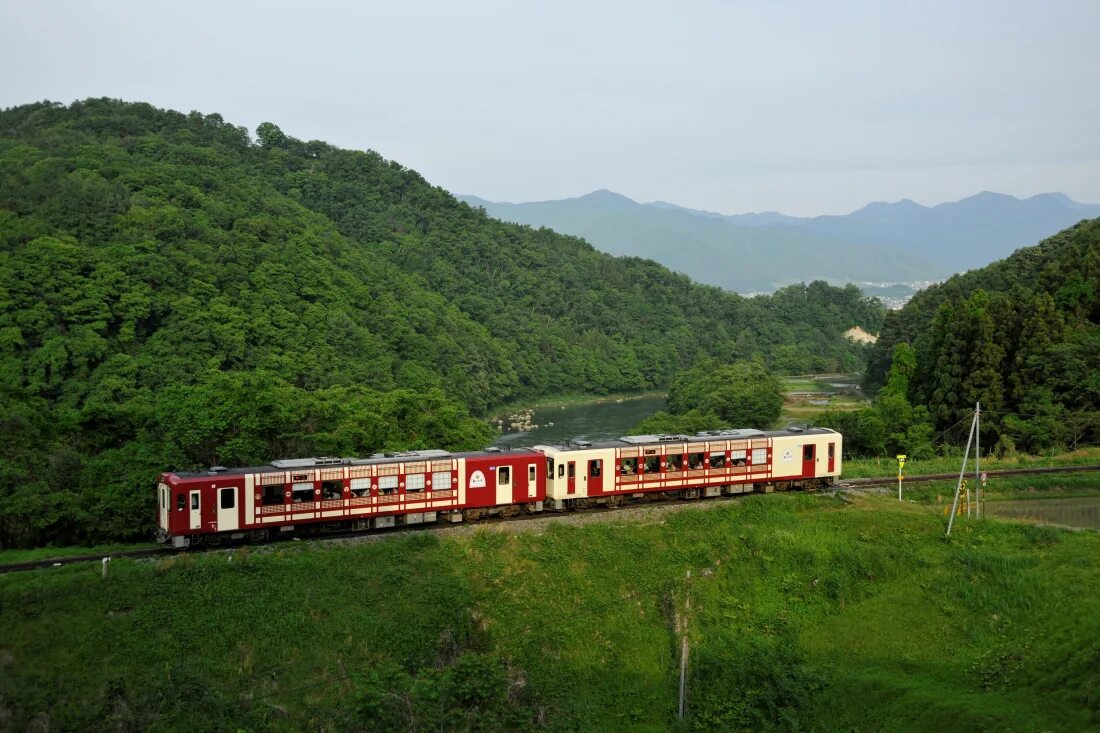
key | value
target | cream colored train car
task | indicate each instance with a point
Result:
(716, 462)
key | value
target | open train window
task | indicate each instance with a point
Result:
(675, 463)
(332, 489)
(360, 486)
(228, 498)
(629, 466)
(717, 460)
(695, 461)
(738, 457)
(273, 494)
(302, 491)
(652, 464)
(504, 476)
(387, 484)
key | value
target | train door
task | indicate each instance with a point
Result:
(809, 453)
(532, 480)
(227, 509)
(163, 499)
(571, 477)
(595, 476)
(832, 457)
(196, 510)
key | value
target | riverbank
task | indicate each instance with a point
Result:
(820, 612)
(567, 400)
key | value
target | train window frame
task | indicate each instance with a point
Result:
(224, 492)
(717, 461)
(532, 474)
(415, 483)
(272, 494)
(194, 501)
(697, 461)
(561, 470)
(808, 452)
(652, 464)
(550, 469)
(181, 502)
(595, 468)
(674, 463)
(629, 466)
(504, 476)
(572, 473)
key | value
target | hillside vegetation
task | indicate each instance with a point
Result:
(806, 613)
(175, 295)
(1022, 336)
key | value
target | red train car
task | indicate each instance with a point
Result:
(384, 490)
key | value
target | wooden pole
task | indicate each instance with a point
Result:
(684, 647)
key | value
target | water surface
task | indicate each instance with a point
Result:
(1073, 512)
(599, 421)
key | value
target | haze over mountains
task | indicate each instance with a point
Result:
(885, 243)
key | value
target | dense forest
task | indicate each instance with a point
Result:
(1022, 336)
(175, 294)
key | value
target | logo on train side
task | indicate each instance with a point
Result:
(788, 456)
(477, 480)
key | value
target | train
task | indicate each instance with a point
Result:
(385, 490)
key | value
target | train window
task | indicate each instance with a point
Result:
(695, 461)
(652, 464)
(229, 498)
(194, 500)
(273, 494)
(414, 482)
(807, 452)
(180, 502)
(759, 456)
(630, 465)
(595, 468)
(717, 460)
(441, 481)
(561, 470)
(549, 468)
(332, 490)
(360, 486)
(530, 474)
(738, 457)
(572, 469)
(387, 484)
(832, 450)
(675, 463)
(302, 491)
(504, 476)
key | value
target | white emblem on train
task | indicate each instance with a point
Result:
(477, 480)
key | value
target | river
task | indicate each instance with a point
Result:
(1073, 512)
(588, 421)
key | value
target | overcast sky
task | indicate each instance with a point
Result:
(802, 107)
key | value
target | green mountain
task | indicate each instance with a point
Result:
(1021, 335)
(173, 294)
(744, 257)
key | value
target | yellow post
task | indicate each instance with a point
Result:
(901, 465)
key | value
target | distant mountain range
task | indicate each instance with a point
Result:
(901, 242)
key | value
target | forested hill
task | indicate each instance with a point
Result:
(1021, 335)
(173, 294)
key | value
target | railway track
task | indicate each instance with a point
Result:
(857, 483)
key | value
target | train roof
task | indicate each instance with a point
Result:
(291, 464)
(707, 435)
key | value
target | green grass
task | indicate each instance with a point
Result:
(45, 553)
(875, 467)
(808, 613)
(565, 400)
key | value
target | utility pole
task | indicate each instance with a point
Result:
(978, 459)
(901, 465)
(684, 646)
(966, 456)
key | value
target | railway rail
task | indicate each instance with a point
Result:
(856, 484)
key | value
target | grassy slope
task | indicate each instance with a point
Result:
(817, 613)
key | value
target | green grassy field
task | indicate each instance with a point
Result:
(807, 612)
(874, 467)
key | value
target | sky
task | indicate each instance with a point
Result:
(801, 107)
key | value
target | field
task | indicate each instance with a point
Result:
(801, 392)
(806, 612)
